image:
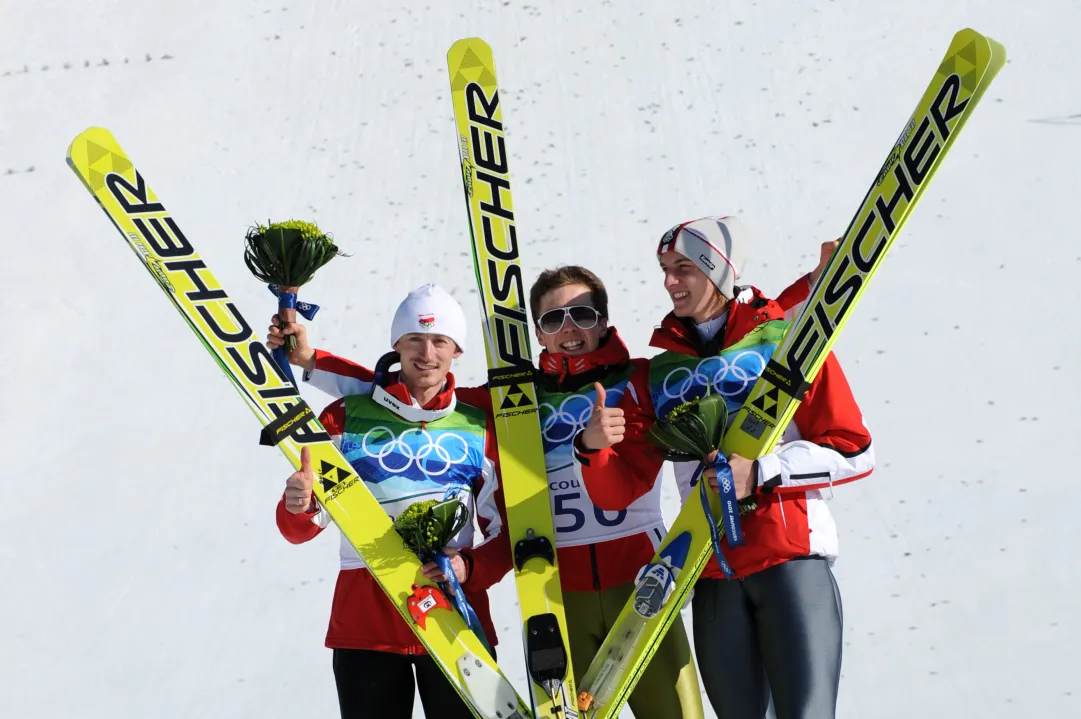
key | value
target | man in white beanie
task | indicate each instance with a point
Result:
(702, 260)
(719, 246)
(766, 612)
(412, 436)
(425, 326)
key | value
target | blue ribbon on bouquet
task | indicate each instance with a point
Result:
(288, 301)
(729, 509)
(458, 596)
(306, 309)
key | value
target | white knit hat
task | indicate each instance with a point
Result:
(720, 246)
(429, 309)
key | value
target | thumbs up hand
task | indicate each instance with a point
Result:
(298, 488)
(606, 425)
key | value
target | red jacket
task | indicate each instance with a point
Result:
(826, 444)
(598, 565)
(362, 616)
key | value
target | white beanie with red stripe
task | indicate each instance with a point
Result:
(720, 246)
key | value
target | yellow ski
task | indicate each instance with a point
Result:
(485, 174)
(287, 420)
(961, 79)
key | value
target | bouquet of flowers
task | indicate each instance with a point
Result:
(428, 526)
(691, 432)
(286, 255)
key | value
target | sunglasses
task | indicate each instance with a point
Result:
(583, 316)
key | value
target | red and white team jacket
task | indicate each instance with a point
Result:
(361, 615)
(825, 445)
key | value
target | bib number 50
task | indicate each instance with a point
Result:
(578, 517)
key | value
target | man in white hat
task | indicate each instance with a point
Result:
(410, 438)
(766, 612)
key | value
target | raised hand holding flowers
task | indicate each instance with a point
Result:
(286, 256)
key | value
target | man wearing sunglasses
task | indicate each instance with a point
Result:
(585, 363)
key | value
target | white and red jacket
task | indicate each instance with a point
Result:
(361, 615)
(825, 445)
(596, 549)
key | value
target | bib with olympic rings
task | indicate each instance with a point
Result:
(576, 519)
(403, 461)
(675, 378)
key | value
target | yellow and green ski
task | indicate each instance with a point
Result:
(961, 79)
(485, 173)
(288, 422)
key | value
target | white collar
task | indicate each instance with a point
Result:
(412, 412)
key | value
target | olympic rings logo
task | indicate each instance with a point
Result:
(726, 484)
(381, 444)
(559, 426)
(727, 376)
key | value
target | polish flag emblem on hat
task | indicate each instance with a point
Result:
(426, 321)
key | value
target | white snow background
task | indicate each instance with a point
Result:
(141, 573)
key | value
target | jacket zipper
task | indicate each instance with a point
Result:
(593, 565)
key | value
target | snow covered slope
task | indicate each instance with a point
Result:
(142, 574)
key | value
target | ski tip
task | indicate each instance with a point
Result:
(97, 135)
(470, 42)
(968, 35)
(468, 53)
(975, 56)
(998, 51)
(93, 131)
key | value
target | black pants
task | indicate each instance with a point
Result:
(380, 685)
(778, 631)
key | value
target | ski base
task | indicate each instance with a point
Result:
(488, 689)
